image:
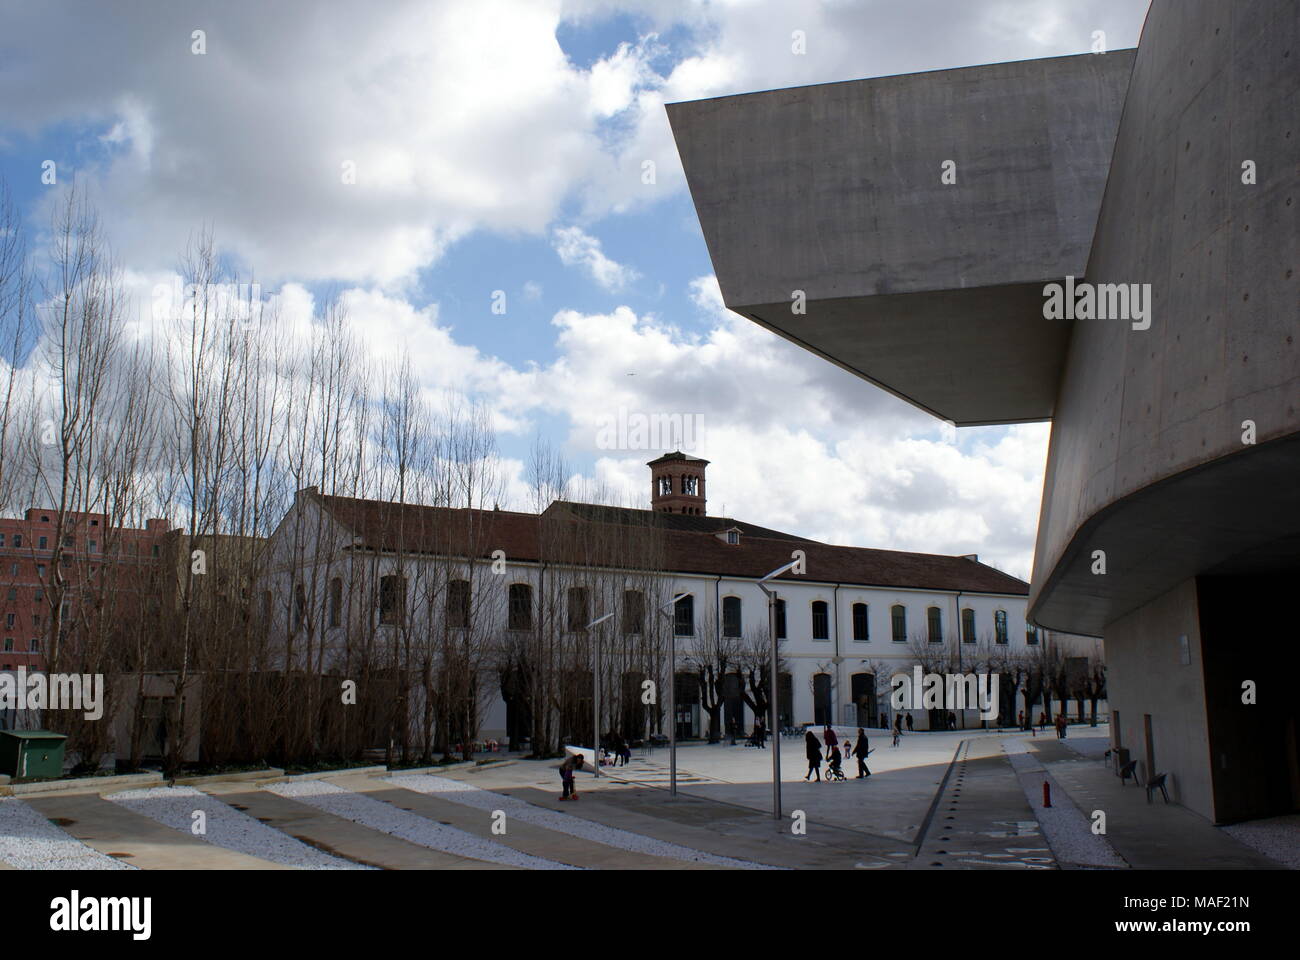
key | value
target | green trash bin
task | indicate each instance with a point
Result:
(31, 753)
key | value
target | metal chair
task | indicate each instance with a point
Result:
(1157, 782)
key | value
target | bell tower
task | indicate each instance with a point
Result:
(677, 484)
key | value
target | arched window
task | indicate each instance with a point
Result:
(579, 609)
(934, 624)
(861, 628)
(521, 607)
(967, 625)
(458, 597)
(684, 617)
(731, 625)
(1000, 625)
(633, 613)
(898, 622)
(821, 626)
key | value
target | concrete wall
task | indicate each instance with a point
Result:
(1146, 675)
(1215, 84)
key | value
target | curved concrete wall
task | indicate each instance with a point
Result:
(1215, 84)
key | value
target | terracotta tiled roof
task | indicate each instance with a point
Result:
(582, 533)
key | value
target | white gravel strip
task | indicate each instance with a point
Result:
(1276, 837)
(227, 827)
(406, 825)
(471, 796)
(1067, 829)
(28, 841)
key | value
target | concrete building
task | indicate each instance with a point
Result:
(356, 578)
(915, 231)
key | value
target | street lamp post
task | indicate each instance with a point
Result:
(595, 692)
(774, 728)
(672, 691)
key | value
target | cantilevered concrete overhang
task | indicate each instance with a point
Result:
(931, 290)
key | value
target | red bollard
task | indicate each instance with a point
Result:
(1047, 794)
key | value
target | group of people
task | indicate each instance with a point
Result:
(837, 754)
(614, 749)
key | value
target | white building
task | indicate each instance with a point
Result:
(356, 580)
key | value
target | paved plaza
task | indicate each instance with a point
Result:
(938, 801)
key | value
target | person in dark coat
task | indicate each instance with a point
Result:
(830, 739)
(813, 748)
(860, 750)
(909, 723)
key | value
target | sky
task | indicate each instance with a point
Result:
(469, 178)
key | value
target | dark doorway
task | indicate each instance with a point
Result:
(733, 707)
(785, 700)
(822, 712)
(687, 691)
(864, 697)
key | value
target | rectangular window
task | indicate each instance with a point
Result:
(9, 620)
(731, 617)
(93, 546)
(458, 598)
(13, 569)
(521, 606)
(392, 599)
(821, 628)
(336, 602)
(968, 625)
(9, 644)
(18, 540)
(2, 539)
(68, 541)
(898, 622)
(36, 645)
(1000, 625)
(934, 624)
(299, 606)
(684, 617)
(579, 616)
(861, 630)
(1031, 635)
(40, 570)
(633, 613)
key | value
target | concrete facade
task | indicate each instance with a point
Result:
(1170, 494)
(838, 191)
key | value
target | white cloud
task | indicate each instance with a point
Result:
(579, 249)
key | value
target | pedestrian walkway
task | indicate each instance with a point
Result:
(980, 819)
(1149, 836)
(118, 832)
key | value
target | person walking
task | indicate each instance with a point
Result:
(828, 735)
(813, 749)
(909, 721)
(898, 728)
(861, 750)
(571, 763)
